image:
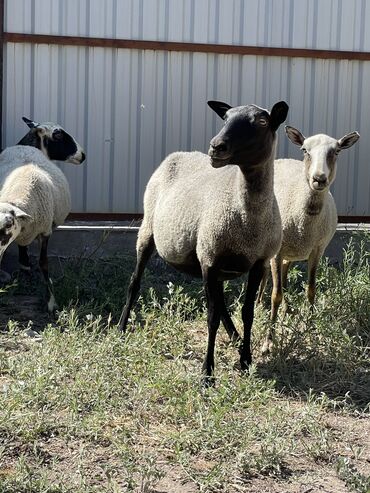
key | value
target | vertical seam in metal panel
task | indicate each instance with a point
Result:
(289, 64)
(32, 74)
(265, 59)
(86, 104)
(112, 142)
(59, 79)
(215, 64)
(165, 83)
(313, 69)
(138, 106)
(240, 61)
(190, 88)
(355, 195)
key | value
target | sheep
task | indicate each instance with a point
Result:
(307, 209)
(216, 216)
(34, 193)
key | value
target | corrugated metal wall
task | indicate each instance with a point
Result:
(130, 108)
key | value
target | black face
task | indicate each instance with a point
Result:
(60, 146)
(247, 138)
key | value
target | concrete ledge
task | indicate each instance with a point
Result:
(107, 239)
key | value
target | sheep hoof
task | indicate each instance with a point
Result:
(208, 381)
(245, 364)
(52, 305)
(267, 347)
(5, 278)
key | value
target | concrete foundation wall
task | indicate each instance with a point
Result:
(110, 239)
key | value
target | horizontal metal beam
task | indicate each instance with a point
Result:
(116, 216)
(137, 44)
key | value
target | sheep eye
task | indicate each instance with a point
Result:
(57, 134)
(263, 122)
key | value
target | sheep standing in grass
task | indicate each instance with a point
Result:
(216, 216)
(307, 209)
(34, 193)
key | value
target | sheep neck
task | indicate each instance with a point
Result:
(314, 201)
(31, 139)
(256, 183)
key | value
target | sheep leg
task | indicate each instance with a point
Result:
(144, 252)
(44, 266)
(225, 317)
(214, 301)
(254, 280)
(313, 261)
(284, 273)
(23, 258)
(261, 290)
(276, 299)
(284, 281)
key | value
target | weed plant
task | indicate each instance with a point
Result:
(85, 409)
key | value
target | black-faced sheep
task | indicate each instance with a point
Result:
(34, 193)
(216, 216)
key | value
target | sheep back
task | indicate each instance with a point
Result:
(36, 185)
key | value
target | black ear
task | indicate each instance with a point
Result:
(219, 107)
(294, 135)
(29, 122)
(278, 114)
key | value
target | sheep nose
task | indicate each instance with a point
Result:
(218, 146)
(320, 178)
(8, 222)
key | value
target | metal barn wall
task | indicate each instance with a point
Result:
(131, 107)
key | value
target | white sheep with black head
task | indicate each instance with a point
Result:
(34, 193)
(216, 216)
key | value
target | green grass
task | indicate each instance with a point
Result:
(84, 409)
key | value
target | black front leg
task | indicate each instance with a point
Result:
(214, 302)
(225, 317)
(44, 266)
(23, 258)
(254, 280)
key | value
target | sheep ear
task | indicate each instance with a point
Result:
(30, 123)
(348, 140)
(294, 135)
(219, 107)
(19, 214)
(278, 114)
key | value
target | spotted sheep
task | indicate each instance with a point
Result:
(307, 209)
(208, 215)
(34, 193)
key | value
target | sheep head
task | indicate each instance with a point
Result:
(248, 136)
(53, 141)
(320, 154)
(11, 220)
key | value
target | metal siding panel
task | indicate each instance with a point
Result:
(17, 16)
(131, 108)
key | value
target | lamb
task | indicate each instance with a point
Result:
(34, 193)
(208, 216)
(308, 211)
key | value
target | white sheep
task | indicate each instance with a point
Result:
(307, 208)
(216, 216)
(34, 193)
